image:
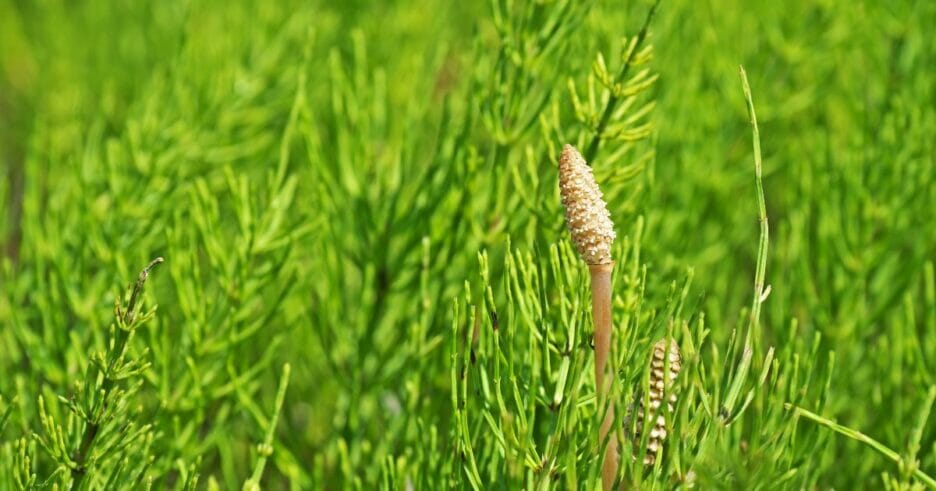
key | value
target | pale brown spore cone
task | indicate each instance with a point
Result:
(660, 383)
(592, 233)
(586, 213)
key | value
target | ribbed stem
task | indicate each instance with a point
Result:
(601, 313)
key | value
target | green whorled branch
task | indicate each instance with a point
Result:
(127, 322)
(592, 150)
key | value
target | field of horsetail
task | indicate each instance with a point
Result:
(425, 245)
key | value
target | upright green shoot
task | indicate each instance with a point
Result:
(633, 51)
(728, 412)
(265, 449)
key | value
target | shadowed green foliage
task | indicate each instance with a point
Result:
(367, 280)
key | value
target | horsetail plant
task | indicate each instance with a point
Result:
(321, 182)
(112, 376)
(592, 231)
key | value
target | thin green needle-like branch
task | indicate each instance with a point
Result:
(592, 150)
(861, 437)
(762, 245)
(760, 294)
(266, 448)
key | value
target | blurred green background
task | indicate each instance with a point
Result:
(320, 177)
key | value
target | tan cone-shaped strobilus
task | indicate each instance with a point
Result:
(663, 373)
(592, 231)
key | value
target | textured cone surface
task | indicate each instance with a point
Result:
(586, 213)
(660, 383)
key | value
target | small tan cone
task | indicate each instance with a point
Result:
(660, 384)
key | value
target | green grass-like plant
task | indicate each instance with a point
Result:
(367, 280)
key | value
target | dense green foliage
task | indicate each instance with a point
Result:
(367, 281)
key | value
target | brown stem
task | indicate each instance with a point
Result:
(601, 314)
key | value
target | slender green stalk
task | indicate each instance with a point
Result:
(265, 449)
(762, 245)
(760, 294)
(867, 440)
